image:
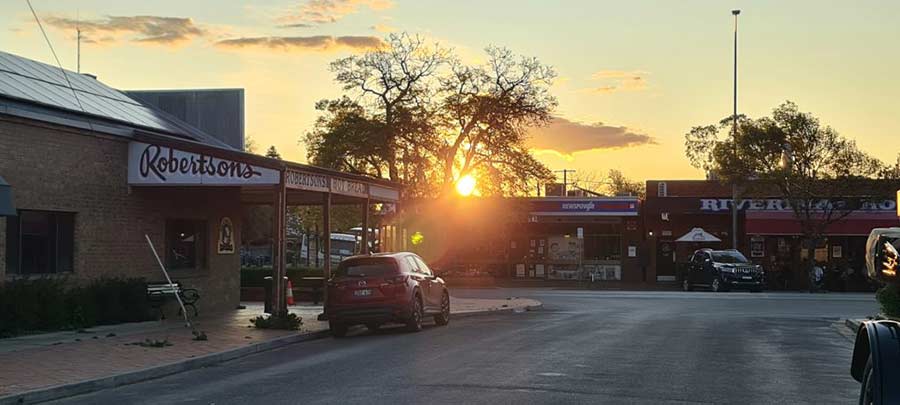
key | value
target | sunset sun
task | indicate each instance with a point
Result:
(465, 186)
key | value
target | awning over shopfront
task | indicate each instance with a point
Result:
(698, 235)
(7, 208)
(155, 161)
(784, 223)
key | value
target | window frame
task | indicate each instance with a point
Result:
(54, 220)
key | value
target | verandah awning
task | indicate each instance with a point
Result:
(784, 223)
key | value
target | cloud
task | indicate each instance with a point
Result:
(142, 29)
(382, 28)
(567, 137)
(329, 11)
(296, 25)
(308, 43)
(619, 80)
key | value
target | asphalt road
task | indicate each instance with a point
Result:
(583, 347)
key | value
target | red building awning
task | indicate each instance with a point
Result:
(784, 223)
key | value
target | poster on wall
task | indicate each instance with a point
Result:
(226, 237)
(563, 248)
(837, 251)
(757, 246)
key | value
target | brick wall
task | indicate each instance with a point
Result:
(59, 169)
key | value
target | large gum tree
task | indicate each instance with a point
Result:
(822, 175)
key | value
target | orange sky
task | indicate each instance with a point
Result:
(633, 76)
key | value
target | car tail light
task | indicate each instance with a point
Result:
(397, 279)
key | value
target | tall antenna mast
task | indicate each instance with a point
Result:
(78, 45)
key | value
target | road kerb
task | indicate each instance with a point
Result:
(131, 377)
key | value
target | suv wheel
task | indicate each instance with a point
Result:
(686, 285)
(716, 285)
(414, 323)
(338, 330)
(443, 318)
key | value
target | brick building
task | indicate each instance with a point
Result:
(541, 238)
(92, 171)
(768, 233)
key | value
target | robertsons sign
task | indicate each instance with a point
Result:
(150, 164)
(776, 205)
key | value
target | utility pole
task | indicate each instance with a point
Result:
(734, 188)
(565, 180)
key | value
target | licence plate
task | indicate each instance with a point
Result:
(362, 293)
(747, 278)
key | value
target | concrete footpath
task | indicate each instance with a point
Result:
(44, 367)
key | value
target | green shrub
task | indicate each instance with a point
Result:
(255, 276)
(50, 304)
(289, 322)
(889, 298)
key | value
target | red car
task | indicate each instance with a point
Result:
(384, 288)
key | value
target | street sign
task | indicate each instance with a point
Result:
(580, 233)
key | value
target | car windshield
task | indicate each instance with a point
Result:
(366, 267)
(729, 257)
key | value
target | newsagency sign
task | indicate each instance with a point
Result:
(150, 164)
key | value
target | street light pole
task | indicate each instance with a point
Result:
(734, 188)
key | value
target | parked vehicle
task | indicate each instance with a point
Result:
(722, 270)
(384, 288)
(876, 353)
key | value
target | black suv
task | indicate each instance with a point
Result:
(721, 270)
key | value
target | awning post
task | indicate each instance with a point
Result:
(364, 241)
(278, 248)
(326, 235)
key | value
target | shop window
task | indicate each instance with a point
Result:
(40, 242)
(602, 247)
(185, 244)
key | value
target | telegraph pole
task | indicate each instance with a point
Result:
(565, 180)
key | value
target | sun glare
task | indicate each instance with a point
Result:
(465, 186)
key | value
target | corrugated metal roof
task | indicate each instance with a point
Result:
(46, 85)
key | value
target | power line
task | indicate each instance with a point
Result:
(46, 38)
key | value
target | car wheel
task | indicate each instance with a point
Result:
(338, 330)
(686, 285)
(443, 318)
(866, 395)
(414, 323)
(716, 285)
(373, 326)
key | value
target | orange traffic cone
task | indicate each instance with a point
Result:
(290, 293)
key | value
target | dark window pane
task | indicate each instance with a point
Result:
(185, 244)
(37, 242)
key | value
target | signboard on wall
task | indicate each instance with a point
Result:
(226, 237)
(585, 206)
(782, 205)
(299, 180)
(150, 164)
(349, 187)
